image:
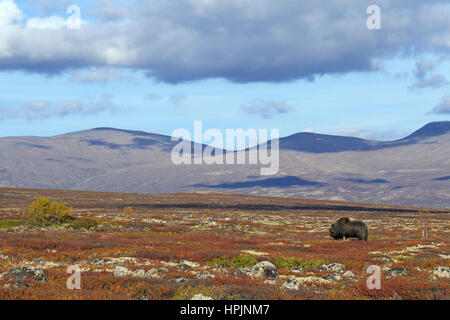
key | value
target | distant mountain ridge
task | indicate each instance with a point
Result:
(413, 170)
(323, 143)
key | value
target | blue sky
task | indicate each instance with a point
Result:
(82, 82)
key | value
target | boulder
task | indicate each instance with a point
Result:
(22, 273)
(265, 269)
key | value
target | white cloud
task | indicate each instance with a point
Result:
(242, 41)
(53, 22)
(9, 13)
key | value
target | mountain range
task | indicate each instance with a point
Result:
(414, 170)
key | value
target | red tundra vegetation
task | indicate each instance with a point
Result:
(176, 246)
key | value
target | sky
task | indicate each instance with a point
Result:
(158, 66)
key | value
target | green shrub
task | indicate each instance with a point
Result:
(243, 260)
(82, 223)
(11, 223)
(291, 263)
(46, 212)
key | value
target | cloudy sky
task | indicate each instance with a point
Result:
(159, 65)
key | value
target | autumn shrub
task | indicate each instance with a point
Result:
(82, 223)
(45, 212)
(127, 211)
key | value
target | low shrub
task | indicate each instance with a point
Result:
(45, 212)
(11, 223)
(82, 223)
(291, 263)
(243, 260)
(128, 211)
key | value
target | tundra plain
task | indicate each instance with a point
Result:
(205, 245)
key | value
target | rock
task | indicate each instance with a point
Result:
(181, 280)
(333, 267)
(121, 272)
(17, 284)
(270, 282)
(141, 274)
(333, 276)
(188, 264)
(98, 262)
(348, 274)
(442, 272)
(291, 284)
(396, 272)
(312, 279)
(204, 276)
(244, 271)
(265, 269)
(199, 296)
(26, 272)
(431, 278)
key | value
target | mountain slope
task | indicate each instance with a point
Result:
(413, 170)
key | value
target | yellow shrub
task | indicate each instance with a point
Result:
(44, 212)
(128, 211)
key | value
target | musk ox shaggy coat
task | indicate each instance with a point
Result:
(344, 228)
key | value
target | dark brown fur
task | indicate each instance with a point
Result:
(344, 228)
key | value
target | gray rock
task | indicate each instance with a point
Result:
(188, 265)
(291, 284)
(431, 278)
(204, 276)
(265, 269)
(244, 271)
(333, 276)
(396, 272)
(333, 267)
(442, 272)
(98, 262)
(121, 272)
(199, 296)
(348, 274)
(181, 280)
(17, 284)
(26, 272)
(141, 274)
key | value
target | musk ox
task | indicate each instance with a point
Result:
(344, 228)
